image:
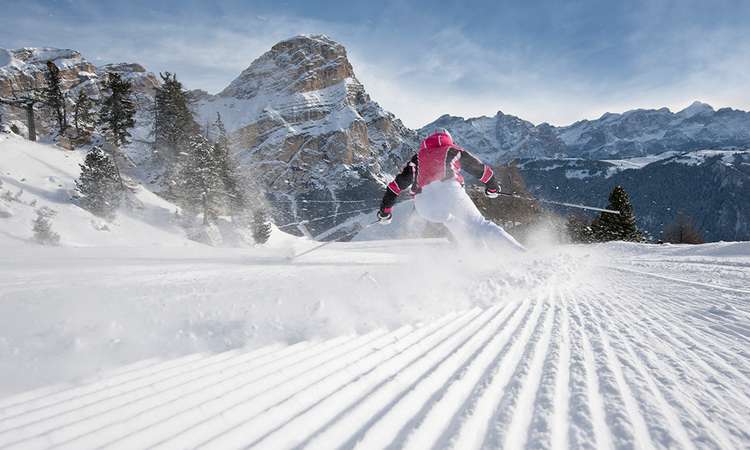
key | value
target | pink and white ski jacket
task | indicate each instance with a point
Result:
(438, 159)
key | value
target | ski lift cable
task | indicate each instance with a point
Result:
(512, 195)
(352, 233)
(316, 219)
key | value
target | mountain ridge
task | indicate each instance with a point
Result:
(636, 132)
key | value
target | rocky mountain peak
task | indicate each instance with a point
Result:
(696, 108)
(303, 126)
(297, 65)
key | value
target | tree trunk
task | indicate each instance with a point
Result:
(205, 209)
(30, 121)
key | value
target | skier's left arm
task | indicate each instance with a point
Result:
(484, 172)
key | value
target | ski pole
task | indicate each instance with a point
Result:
(571, 205)
(334, 240)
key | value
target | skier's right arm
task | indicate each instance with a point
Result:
(403, 181)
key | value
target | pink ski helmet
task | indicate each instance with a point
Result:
(439, 138)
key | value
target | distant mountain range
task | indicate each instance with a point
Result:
(304, 126)
(639, 132)
(710, 186)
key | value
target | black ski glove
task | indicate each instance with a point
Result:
(385, 216)
(492, 191)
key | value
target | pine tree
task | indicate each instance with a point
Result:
(42, 228)
(200, 184)
(99, 184)
(579, 229)
(261, 226)
(617, 227)
(682, 231)
(54, 97)
(84, 118)
(173, 122)
(117, 114)
(237, 201)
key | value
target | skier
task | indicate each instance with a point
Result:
(434, 175)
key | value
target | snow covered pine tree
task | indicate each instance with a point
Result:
(117, 115)
(617, 227)
(84, 117)
(200, 184)
(118, 110)
(173, 125)
(53, 96)
(236, 201)
(99, 185)
(261, 226)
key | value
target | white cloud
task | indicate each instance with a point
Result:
(420, 75)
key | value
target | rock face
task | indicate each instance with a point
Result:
(306, 128)
(634, 133)
(22, 71)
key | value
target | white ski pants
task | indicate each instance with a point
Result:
(446, 202)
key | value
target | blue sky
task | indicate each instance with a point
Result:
(553, 61)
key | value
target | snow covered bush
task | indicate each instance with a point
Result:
(11, 197)
(5, 211)
(208, 234)
(43, 233)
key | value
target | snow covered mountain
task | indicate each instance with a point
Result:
(633, 133)
(710, 186)
(304, 125)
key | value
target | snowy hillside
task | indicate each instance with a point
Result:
(605, 346)
(38, 175)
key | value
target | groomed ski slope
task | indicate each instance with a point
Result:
(619, 346)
